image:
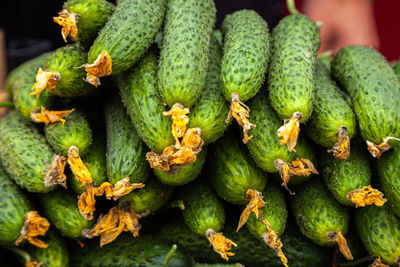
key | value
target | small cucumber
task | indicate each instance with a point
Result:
(129, 32)
(379, 230)
(232, 172)
(74, 132)
(61, 208)
(24, 153)
(184, 53)
(126, 152)
(139, 93)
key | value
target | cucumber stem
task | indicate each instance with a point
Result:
(7, 104)
(170, 255)
(291, 7)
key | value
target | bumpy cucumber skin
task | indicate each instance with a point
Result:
(93, 15)
(74, 132)
(129, 32)
(13, 207)
(184, 174)
(232, 172)
(152, 197)
(126, 152)
(389, 177)
(379, 230)
(203, 210)
(246, 54)
(61, 208)
(139, 93)
(64, 61)
(184, 53)
(374, 88)
(274, 211)
(24, 153)
(331, 110)
(127, 251)
(210, 111)
(22, 83)
(343, 177)
(317, 213)
(295, 43)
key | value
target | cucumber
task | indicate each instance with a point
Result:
(210, 111)
(291, 80)
(232, 172)
(139, 93)
(331, 110)
(379, 230)
(150, 198)
(20, 82)
(126, 152)
(14, 205)
(184, 53)
(24, 153)
(62, 210)
(93, 15)
(374, 89)
(184, 174)
(246, 54)
(74, 132)
(129, 32)
(396, 69)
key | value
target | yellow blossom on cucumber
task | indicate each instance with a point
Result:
(77, 166)
(366, 196)
(378, 263)
(55, 172)
(377, 150)
(102, 66)
(337, 237)
(34, 226)
(256, 202)
(220, 243)
(180, 120)
(68, 22)
(45, 80)
(121, 188)
(49, 116)
(341, 149)
(29, 263)
(289, 131)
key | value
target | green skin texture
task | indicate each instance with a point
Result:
(93, 15)
(232, 172)
(396, 69)
(143, 251)
(389, 177)
(139, 93)
(379, 230)
(74, 132)
(203, 209)
(331, 110)
(184, 174)
(274, 211)
(295, 43)
(20, 82)
(65, 61)
(61, 208)
(209, 113)
(184, 54)
(317, 213)
(13, 207)
(129, 32)
(246, 54)
(24, 153)
(152, 197)
(345, 176)
(374, 88)
(126, 152)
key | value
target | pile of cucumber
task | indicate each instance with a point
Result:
(165, 52)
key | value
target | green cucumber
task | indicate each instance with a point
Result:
(24, 153)
(210, 111)
(93, 15)
(150, 198)
(379, 230)
(139, 93)
(295, 43)
(74, 132)
(246, 54)
(61, 208)
(14, 205)
(129, 32)
(232, 172)
(183, 174)
(126, 152)
(317, 213)
(331, 110)
(184, 53)
(374, 88)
